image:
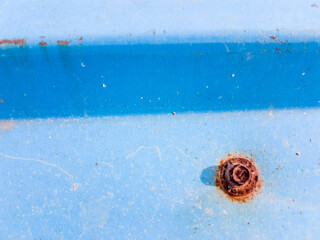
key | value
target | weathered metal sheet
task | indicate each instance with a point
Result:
(116, 115)
(147, 176)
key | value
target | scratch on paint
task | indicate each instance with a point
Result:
(145, 147)
(108, 164)
(227, 48)
(75, 76)
(270, 114)
(187, 156)
(37, 160)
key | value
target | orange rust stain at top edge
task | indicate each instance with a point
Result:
(63, 42)
(273, 37)
(19, 42)
(244, 192)
(6, 125)
(42, 43)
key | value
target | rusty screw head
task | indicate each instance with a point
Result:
(238, 177)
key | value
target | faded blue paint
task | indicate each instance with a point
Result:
(136, 20)
(142, 172)
(117, 136)
(147, 181)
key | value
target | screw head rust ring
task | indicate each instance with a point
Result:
(238, 177)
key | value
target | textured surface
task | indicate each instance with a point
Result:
(143, 176)
(115, 114)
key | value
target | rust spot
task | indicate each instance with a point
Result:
(6, 125)
(273, 37)
(238, 177)
(314, 5)
(42, 43)
(63, 42)
(19, 42)
(96, 164)
(80, 39)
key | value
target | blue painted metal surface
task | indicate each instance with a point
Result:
(115, 132)
(134, 79)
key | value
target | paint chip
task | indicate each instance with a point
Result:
(208, 211)
(75, 186)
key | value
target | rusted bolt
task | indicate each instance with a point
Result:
(238, 177)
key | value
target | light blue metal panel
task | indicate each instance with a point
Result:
(142, 177)
(140, 20)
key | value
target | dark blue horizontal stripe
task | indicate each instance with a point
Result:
(63, 81)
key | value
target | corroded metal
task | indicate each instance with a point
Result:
(238, 177)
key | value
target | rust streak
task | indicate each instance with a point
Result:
(63, 42)
(273, 37)
(19, 42)
(42, 43)
(6, 125)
